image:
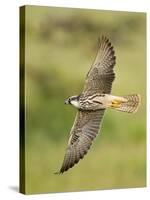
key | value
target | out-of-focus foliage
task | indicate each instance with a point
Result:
(60, 46)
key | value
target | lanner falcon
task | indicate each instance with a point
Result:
(92, 103)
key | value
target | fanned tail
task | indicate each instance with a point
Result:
(130, 105)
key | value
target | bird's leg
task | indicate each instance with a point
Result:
(116, 102)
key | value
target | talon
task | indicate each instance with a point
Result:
(116, 103)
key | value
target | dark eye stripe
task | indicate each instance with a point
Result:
(73, 98)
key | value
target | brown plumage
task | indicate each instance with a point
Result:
(92, 102)
(132, 104)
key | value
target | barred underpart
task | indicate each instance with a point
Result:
(132, 104)
(91, 102)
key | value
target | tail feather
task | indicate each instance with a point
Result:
(131, 105)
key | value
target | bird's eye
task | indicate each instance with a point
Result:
(69, 100)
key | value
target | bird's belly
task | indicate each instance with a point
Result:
(101, 102)
(95, 102)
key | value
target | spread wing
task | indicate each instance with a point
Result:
(101, 74)
(99, 79)
(83, 132)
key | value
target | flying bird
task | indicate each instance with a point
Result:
(92, 103)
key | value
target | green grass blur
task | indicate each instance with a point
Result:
(60, 46)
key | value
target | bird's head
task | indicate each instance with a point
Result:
(73, 100)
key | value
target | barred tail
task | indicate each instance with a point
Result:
(131, 105)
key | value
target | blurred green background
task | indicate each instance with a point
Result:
(60, 46)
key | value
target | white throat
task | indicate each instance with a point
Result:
(75, 103)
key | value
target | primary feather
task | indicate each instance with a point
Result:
(87, 124)
(92, 102)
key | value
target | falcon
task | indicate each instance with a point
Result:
(92, 103)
